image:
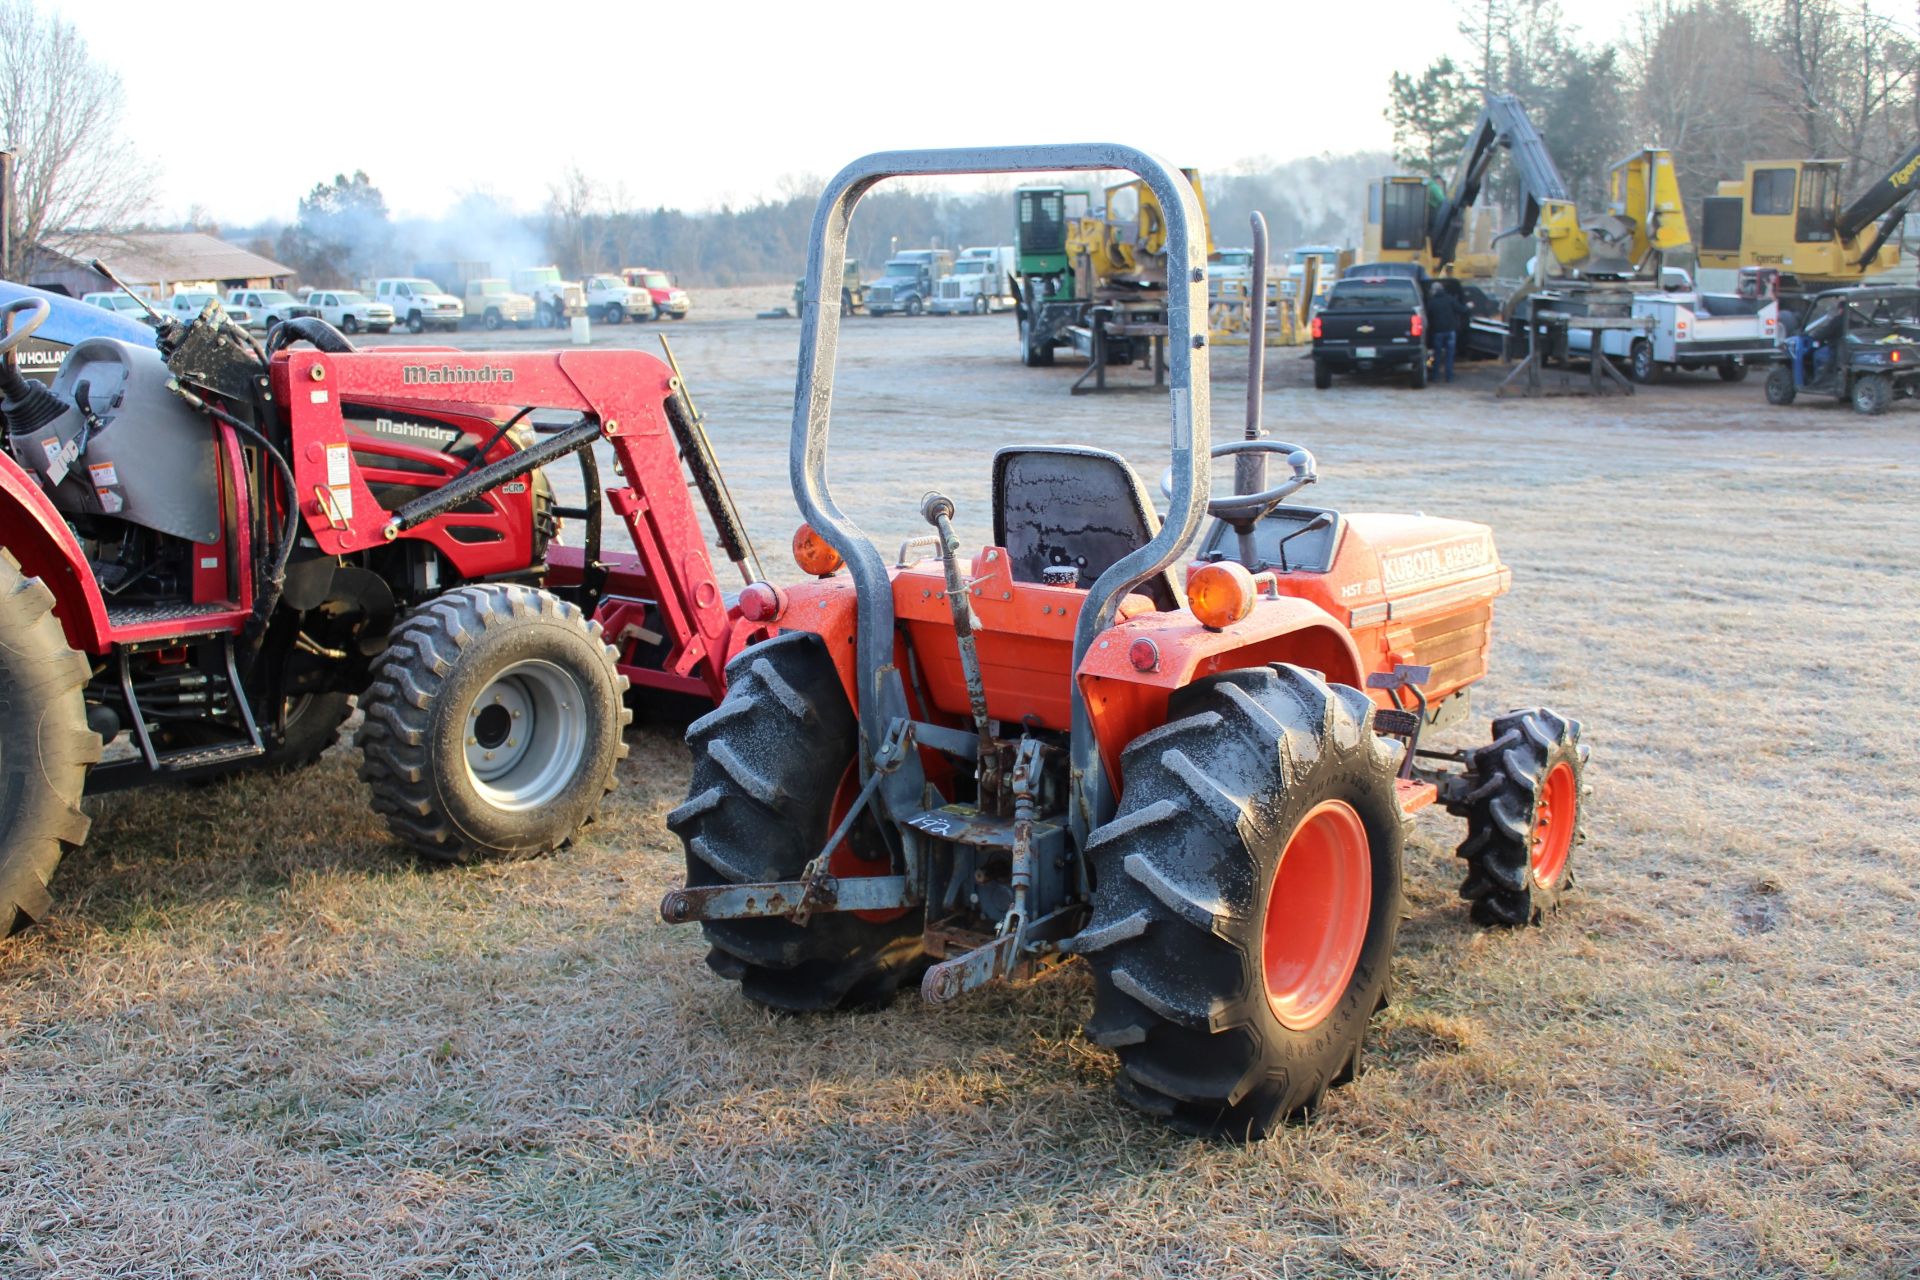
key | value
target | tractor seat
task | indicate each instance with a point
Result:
(1066, 505)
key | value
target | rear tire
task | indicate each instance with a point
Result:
(493, 724)
(1525, 817)
(1641, 366)
(767, 763)
(1228, 1013)
(1780, 388)
(1872, 394)
(46, 750)
(1417, 376)
(1733, 371)
(1322, 376)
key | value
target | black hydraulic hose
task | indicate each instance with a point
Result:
(474, 463)
(313, 329)
(274, 581)
(455, 492)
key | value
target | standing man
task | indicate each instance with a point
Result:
(1443, 326)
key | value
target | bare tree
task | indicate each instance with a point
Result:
(573, 204)
(1848, 80)
(60, 111)
(1708, 90)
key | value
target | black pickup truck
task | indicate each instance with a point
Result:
(1370, 323)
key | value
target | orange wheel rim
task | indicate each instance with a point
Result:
(1317, 912)
(846, 860)
(1554, 817)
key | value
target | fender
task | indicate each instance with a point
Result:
(40, 540)
(1124, 702)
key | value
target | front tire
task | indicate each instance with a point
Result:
(1872, 394)
(493, 724)
(1780, 388)
(416, 323)
(46, 750)
(492, 319)
(615, 315)
(1525, 816)
(1247, 901)
(543, 316)
(913, 306)
(349, 324)
(771, 770)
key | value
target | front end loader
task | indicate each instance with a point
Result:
(210, 547)
(968, 769)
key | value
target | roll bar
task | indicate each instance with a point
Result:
(883, 697)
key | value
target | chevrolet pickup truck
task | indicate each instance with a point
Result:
(1370, 323)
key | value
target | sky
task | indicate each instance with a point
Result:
(697, 103)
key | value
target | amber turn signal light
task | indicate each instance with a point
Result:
(813, 555)
(762, 602)
(1220, 594)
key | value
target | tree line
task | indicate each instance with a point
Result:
(343, 231)
(1718, 82)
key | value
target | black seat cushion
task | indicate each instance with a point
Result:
(1066, 505)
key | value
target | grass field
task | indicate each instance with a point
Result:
(257, 1041)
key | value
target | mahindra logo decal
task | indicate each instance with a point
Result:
(413, 374)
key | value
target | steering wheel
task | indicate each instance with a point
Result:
(1247, 508)
(16, 335)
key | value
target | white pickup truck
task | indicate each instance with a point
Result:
(977, 284)
(611, 300)
(350, 311)
(265, 308)
(418, 303)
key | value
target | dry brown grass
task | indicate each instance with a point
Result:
(257, 1042)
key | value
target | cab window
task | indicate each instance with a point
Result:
(1819, 206)
(1772, 192)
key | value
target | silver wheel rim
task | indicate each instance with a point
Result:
(526, 735)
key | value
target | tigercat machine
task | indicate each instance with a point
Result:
(1786, 215)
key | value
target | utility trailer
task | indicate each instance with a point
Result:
(1690, 330)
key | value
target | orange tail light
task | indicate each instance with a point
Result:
(813, 555)
(1220, 594)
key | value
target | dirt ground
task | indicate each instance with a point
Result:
(256, 1040)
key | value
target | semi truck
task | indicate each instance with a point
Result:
(981, 281)
(907, 283)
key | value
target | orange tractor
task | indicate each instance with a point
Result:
(969, 769)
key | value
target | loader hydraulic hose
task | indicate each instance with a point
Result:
(475, 483)
(274, 577)
(313, 329)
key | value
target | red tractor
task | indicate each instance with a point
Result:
(969, 769)
(208, 547)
